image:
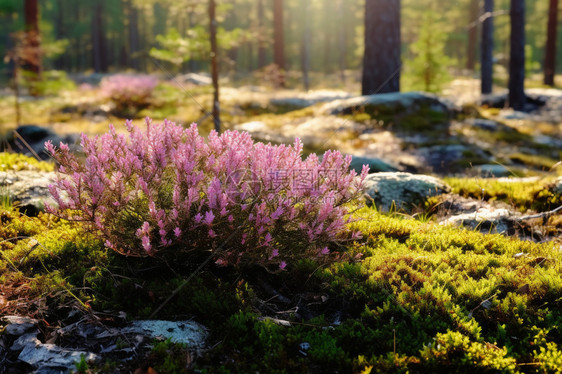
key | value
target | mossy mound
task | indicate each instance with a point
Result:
(409, 112)
(536, 194)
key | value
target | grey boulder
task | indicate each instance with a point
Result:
(30, 189)
(405, 191)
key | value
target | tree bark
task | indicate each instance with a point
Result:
(472, 35)
(99, 47)
(381, 71)
(59, 62)
(327, 32)
(486, 54)
(342, 39)
(133, 36)
(262, 57)
(517, 56)
(214, 64)
(278, 38)
(550, 55)
(31, 12)
(160, 16)
(305, 45)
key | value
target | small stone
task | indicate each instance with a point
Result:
(18, 325)
(30, 189)
(18, 329)
(187, 332)
(25, 341)
(486, 220)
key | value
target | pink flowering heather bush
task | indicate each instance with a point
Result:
(166, 188)
(129, 93)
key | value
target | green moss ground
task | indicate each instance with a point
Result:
(534, 194)
(18, 162)
(410, 296)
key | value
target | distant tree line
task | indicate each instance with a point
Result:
(326, 36)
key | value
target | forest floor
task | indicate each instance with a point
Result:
(412, 295)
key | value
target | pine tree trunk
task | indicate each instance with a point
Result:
(381, 71)
(550, 55)
(305, 45)
(517, 56)
(486, 54)
(327, 33)
(214, 64)
(31, 12)
(160, 16)
(278, 39)
(342, 39)
(191, 63)
(472, 36)
(261, 42)
(133, 36)
(60, 34)
(99, 47)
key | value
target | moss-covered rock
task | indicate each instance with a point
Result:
(407, 112)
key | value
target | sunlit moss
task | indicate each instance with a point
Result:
(410, 296)
(18, 162)
(523, 194)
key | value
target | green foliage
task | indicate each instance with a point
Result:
(177, 49)
(18, 162)
(169, 358)
(52, 82)
(428, 69)
(82, 366)
(453, 351)
(549, 358)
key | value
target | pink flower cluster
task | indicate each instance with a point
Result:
(167, 187)
(129, 91)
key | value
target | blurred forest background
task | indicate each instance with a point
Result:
(318, 36)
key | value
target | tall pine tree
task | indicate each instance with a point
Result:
(278, 38)
(487, 46)
(550, 54)
(33, 44)
(517, 56)
(381, 61)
